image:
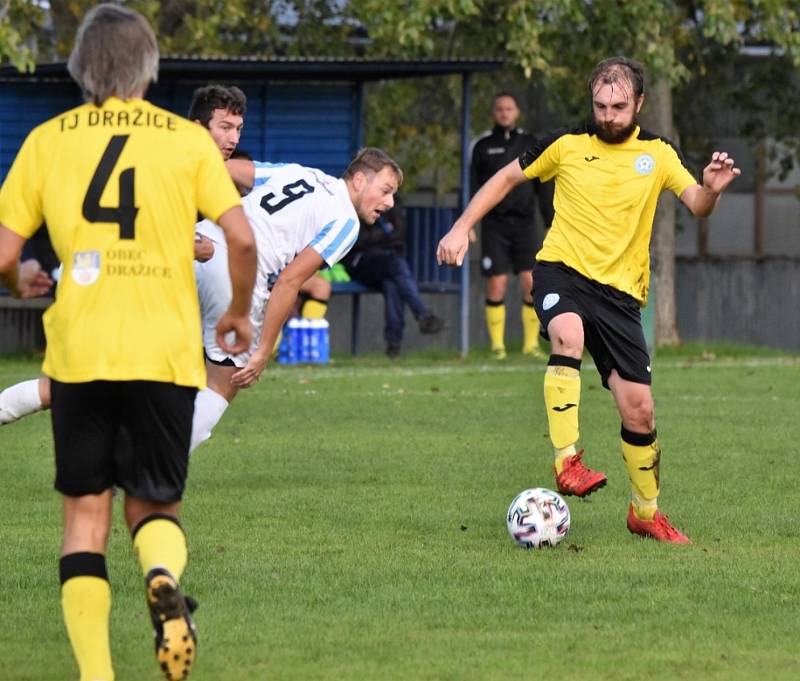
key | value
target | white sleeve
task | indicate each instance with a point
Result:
(210, 229)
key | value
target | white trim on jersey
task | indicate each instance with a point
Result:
(335, 240)
(263, 171)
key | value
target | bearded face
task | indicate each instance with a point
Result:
(613, 132)
(615, 111)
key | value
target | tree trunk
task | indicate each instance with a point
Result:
(657, 117)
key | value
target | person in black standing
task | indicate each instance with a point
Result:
(509, 238)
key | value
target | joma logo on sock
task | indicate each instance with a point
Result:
(568, 405)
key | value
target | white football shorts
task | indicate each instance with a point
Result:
(215, 293)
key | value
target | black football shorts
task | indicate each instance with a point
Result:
(132, 434)
(508, 244)
(612, 321)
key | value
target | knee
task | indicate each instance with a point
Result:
(405, 268)
(568, 342)
(87, 522)
(398, 266)
(326, 289)
(496, 289)
(638, 415)
(317, 287)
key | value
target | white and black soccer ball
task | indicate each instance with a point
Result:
(538, 517)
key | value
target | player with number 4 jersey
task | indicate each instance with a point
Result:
(123, 257)
(302, 219)
(119, 183)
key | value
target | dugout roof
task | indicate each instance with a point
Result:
(302, 109)
(287, 68)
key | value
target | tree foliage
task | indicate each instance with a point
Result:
(20, 20)
(690, 48)
(555, 42)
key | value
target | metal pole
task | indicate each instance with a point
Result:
(466, 124)
(761, 172)
(358, 137)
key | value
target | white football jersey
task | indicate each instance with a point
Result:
(289, 208)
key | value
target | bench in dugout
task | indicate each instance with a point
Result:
(21, 323)
(424, 228)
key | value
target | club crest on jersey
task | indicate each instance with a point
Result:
(644, 164)
(550, 300)
(85, 267)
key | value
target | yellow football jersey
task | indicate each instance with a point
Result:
(605, 201)
(119, 187)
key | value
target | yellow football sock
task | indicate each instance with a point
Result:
(314, 309)
(560, 455)
(530, 329)
(642, 456)
(86, 604)
(562, 397)
(496, 323)
(159, 541)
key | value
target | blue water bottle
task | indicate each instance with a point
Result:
(320, 342)
(289, 349)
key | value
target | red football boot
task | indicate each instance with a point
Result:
(578, 480)
(659, 528)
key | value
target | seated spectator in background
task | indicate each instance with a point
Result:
(378, 261)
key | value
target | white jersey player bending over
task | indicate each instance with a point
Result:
(302, 219)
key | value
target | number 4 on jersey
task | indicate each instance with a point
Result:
(125, 213)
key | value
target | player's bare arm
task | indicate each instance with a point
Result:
(24, 280)
(243, 173)
(453, 246)
(717, 175)
(280, 304)
(242, 268)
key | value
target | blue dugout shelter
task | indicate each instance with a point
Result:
(304, 110)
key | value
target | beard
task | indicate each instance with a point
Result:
(613, 134)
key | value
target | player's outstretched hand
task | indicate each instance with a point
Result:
(242, 333)
(452, 248)
(718, 174)
(33, 280)
(251, 371)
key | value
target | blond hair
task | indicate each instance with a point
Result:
(115, 53)
(371, 160)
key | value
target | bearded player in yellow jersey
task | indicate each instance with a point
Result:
(592, 273)
(119, 183)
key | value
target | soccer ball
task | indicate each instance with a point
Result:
(537, 517)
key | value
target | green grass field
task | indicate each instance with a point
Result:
(348, 522)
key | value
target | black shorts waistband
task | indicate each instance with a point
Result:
(607, 289)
